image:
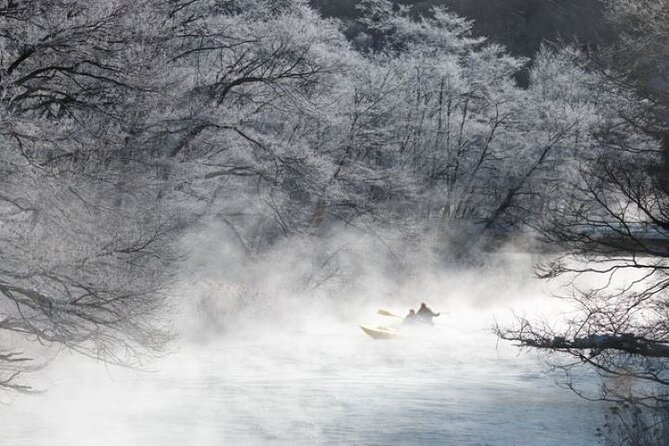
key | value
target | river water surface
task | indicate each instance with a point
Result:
(322, 384)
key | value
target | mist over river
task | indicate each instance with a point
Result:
(318, 379)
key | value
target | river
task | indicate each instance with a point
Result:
(322, 383)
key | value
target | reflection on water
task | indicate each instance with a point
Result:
(328, 385)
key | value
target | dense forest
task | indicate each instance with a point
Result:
(125, 124)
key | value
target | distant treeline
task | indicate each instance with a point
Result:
(520, 25)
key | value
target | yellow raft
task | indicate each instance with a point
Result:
(379, 332)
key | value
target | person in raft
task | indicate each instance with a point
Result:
(410, 318)
(425, 314)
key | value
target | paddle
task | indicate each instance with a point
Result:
(383, 312)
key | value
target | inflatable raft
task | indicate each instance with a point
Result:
(379, 332)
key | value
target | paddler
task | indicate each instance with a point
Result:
(410, 318)
(425, 314)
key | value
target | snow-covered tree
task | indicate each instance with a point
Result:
(463, 141)
(84, 242)
(611, 227)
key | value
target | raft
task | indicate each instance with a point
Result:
(379, 332)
